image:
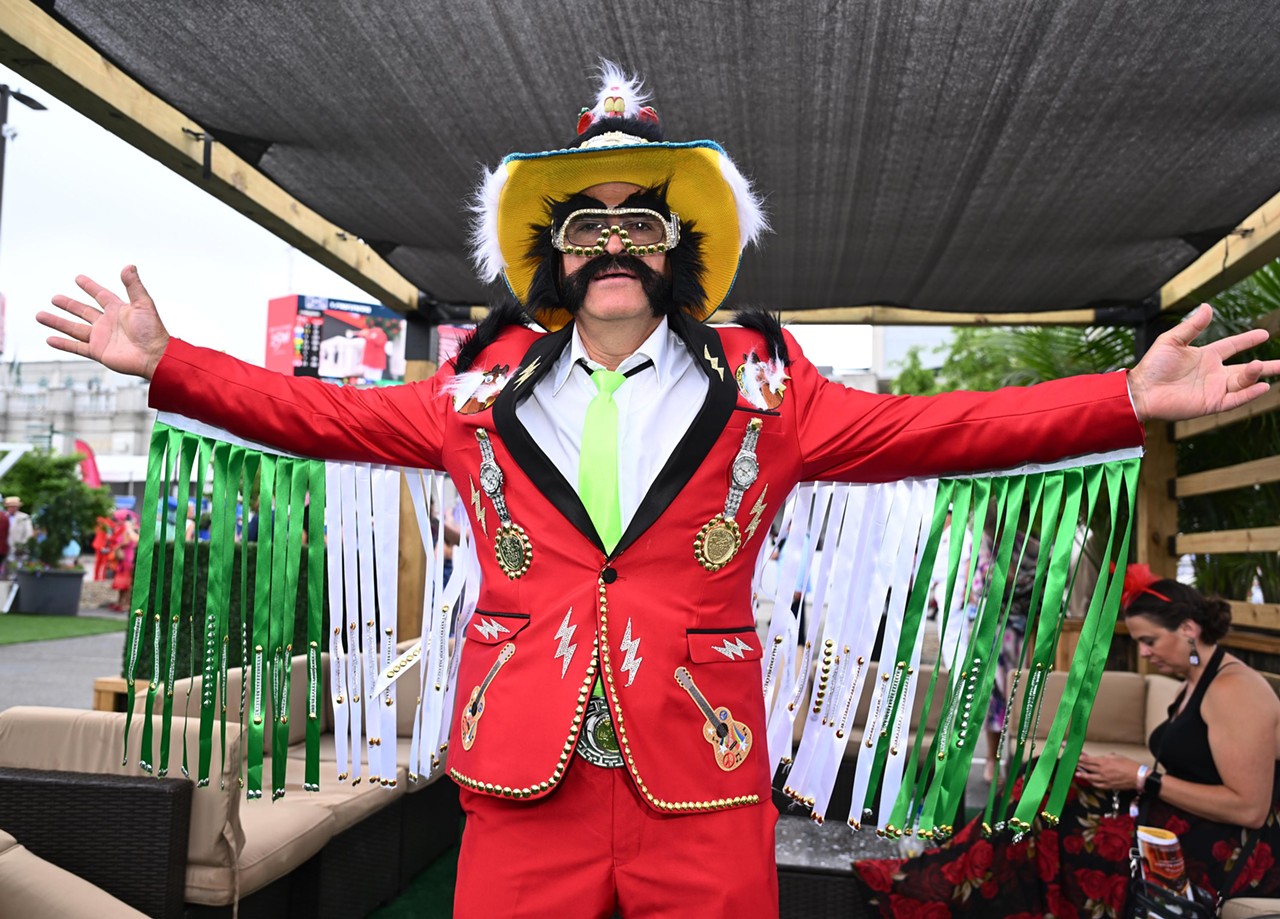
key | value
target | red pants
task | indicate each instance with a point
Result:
(593, 846)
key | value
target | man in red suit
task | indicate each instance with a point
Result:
(609, 728)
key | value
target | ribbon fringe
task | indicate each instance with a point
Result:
(880, 551)
(860, 557)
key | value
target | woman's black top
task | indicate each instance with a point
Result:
(1181, 744)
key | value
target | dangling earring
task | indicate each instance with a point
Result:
(1194, 659)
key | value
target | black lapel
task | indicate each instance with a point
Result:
(545, 475)
(704, 431)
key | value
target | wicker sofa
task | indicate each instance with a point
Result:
(338, 852)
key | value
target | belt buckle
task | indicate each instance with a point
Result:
(598, 744)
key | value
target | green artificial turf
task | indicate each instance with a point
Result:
(429, 895)
(15, 627)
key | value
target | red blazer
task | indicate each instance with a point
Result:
(648, 608)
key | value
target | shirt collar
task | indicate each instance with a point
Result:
(656, 348)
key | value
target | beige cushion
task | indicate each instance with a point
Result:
(297, 698)
(1249, 907)
(348, 803)
(72, 740)
(1161, 691)
(33, 888)
(1119, 709)
(279, 836)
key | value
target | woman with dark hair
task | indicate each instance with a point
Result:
(1214, 783)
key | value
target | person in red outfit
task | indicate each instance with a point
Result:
(625, 606)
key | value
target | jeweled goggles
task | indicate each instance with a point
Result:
(641, 231)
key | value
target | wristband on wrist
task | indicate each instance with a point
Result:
(1143, 771)
(1151, 785)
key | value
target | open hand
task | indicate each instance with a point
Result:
(1176, 380)
(125, 336)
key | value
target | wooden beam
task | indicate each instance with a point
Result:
(38, 47)
(1257, 539)
(1240, 475)
(895, 315)
(1157, 512)
(1266, 644)
(1255, 615)
(1269, 402)
(1243, 251)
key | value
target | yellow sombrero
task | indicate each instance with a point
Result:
(703, 186)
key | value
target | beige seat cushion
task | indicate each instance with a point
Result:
(348, 803)
(33, 888)
(1250, 908)
(72, 740)
(279, 836)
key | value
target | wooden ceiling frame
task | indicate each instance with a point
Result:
(43, 50)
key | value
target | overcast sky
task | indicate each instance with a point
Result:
(78, 200)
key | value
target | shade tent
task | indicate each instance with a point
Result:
(996, 157)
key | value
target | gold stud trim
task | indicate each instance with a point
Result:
(681, 807)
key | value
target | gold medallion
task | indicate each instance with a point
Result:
(717, 542)
(513, 549)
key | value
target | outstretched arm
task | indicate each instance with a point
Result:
(1176, 380)
(125, 336)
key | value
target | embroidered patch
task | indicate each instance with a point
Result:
(762, 383)
(480, 511)
(527, 372)
(630, 663)
(490, 628)
(564, 635)
(475, 390)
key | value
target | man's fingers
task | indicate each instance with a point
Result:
(77, 330)
(78, 348)
(133, 285)
(1232, 345)
(74, 307)
(1195, 322)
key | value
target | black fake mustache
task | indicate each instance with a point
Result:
(656, 287)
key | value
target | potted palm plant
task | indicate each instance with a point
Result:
(64, 512)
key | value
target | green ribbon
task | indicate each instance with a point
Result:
(187, 451)
(217, 597)
(315, 621)
(173, 442)
(257, 671)
(140, 607)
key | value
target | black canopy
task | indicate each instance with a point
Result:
(994, 156)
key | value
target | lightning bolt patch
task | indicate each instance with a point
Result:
(490, 628)
(733, 650)
(565, 635)
(528, 371)
(713, 361)
(757, 510)
(475, 502)
(630, 663)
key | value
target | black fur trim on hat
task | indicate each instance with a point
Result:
(687, 270)
(504, 313)
(770, 326)
(647, 130)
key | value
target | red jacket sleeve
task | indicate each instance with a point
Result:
(849, 435)
(401, 425)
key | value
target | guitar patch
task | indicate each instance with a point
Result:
(730, 739)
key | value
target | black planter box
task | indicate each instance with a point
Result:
(52, 593)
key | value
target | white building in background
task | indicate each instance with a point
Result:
(55, 403)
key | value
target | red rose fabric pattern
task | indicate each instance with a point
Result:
(1078, 869)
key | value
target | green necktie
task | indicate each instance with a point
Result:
(598, 461)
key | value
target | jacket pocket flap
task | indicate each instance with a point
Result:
(709, 646)
(494, 628)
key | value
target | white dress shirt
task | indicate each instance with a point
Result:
(655, 408)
